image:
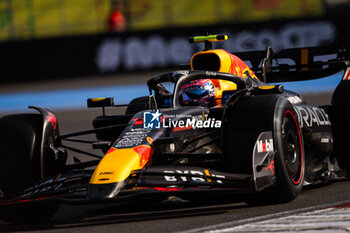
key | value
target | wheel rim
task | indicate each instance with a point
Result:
(293, 154)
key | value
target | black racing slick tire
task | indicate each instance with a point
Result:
(251, 116)
(20, 137)
(340, 119)
(20, 140)
(290, 158)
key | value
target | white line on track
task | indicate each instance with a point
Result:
(322, 218)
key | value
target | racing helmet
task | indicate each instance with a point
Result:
(201, 92)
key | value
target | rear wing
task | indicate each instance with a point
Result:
(297, 64)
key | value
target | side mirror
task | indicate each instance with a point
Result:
(100, 102)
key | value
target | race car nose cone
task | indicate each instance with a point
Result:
(104, 191)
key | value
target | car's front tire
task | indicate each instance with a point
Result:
(290, 158)
(244, 122)
(20, 140)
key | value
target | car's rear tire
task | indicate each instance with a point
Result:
(340, 119)
(113, 133)
(20, 140)
(138, 104)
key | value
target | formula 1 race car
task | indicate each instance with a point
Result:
(217, 127)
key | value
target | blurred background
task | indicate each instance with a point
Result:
(36, 19)
(62, 51)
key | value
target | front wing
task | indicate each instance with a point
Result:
(73, 187)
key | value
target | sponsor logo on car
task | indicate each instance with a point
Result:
(106, 173)
(193, 175)
(347, 74)
(271, 167)
(294, 99)
(311, 116)
(51, 118)
(210, 73)
(265, 145)
(49, 185)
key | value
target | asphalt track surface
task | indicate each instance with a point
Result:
(171, 215)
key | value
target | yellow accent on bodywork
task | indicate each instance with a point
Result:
(211, 38)
(97, 99)
(267, 87)
(225, 64)
(304, 58)
(116, 166)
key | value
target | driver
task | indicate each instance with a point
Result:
(198, 92)
(208, 92)
(204, 92)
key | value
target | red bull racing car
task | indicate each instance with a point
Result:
(214, 127)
